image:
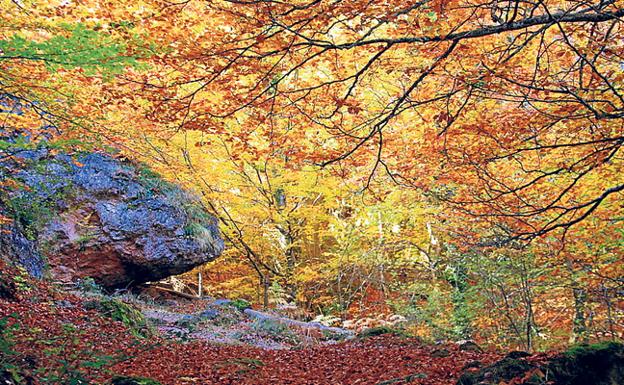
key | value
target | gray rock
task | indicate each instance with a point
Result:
(440, 353)
(209, 314)
(468, 346)
(16, 247)
(222, 302)
(95, 216)
(258, 315)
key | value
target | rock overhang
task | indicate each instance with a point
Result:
(111, 221)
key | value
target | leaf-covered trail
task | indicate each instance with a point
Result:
(371, 361)
(54, 334)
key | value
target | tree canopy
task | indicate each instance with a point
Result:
(357, 150)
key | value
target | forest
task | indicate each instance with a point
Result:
(316, 192)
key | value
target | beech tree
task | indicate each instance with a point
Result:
(482, 122)
(513, 108)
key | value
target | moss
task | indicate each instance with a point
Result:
(127, 314)
(33, 207)
(196, 216)
(84, 239)
(89, 286)
(202, 235)
(124, 380)
(583, 350)
(330, 335)
(153, 182)
(240, 304)
(599, 364)
(29, 213)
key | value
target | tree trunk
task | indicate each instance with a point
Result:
(266, 285)
(579, 323)
(200, 283)
(579, 330)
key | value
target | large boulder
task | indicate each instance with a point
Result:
(95, 216)
(599, 364)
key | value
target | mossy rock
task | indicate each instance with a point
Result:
(381, 330)
(188, 322)
(503, 370)
(440, 353)
(127, 314)
(598, 364)
(124, 380)
(113, 206)
(275, 330)
(584, 351)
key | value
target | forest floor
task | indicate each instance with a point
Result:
(233, 347)
(55, 337)
(221, 322)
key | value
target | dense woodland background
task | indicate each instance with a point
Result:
(458, 163)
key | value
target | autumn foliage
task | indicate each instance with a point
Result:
(457, 162)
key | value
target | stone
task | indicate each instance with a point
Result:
(472, 365)
(517, 354)
(100, 217)
(440, 353)
(598, 364)
(469, 346)
(16, 247)
(222, 302)
(502, 371)
(209, 314)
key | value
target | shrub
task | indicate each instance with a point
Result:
(75, 361)
(275, 330)
(240, 304)
(127, 314)
(22, 280)
(88, 285)
(10, 371)
(331, 335)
